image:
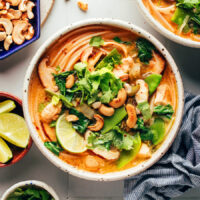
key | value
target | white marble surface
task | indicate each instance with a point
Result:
(12, 70)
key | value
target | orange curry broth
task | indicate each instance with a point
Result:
(37, 95)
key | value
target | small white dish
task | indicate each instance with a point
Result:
(114, 175)
(162, 30)
(27, 184)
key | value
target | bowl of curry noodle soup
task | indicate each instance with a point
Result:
(175, 19)
(103, 99)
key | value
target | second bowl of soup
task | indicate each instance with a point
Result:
(176, 19)
(103, 99)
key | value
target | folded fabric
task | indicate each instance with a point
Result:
(179, 169)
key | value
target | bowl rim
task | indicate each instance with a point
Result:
(113, 175)
(164, 31)
(40, 184)
(27, 149)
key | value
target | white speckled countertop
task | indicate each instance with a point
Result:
(12, 70)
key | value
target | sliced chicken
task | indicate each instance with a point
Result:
(144, 152)
(50, 112)
(156, 65)
(46, 77)
(112, 154)
(143, 93)
(163, 95)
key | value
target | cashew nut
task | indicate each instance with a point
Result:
(46, 76)
(18, 31)
(106, 111)
(120, 100)
(99, 123)
(12, 14)
(7, 24)
(7, 42)
(50, 112)
(30, 6)
(70, 81)
(72, 118)
(2, 36)
(132, 116)
(14, 2)
(143, 93)
(83, 6)
(30, 33)
(22, 6)
(96, 105)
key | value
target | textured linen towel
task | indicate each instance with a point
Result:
(179, 169)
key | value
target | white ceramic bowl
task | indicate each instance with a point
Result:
(30, 183)
(115, 175)
(161, 29)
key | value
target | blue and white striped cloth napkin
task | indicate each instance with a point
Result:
(179, 169)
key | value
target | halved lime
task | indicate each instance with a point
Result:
(5, 152)
(67, 136)
(7, 106)
(14, 130)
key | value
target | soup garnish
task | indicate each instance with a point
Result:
(179, 16)
(30, 192)
(105, 99)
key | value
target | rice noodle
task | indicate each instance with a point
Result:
(166, 10)
(160, 17)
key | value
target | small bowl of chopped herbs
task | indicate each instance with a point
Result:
(30, 190)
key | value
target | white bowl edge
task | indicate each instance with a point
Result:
(30, 182)
(162, 30)
(114, 175)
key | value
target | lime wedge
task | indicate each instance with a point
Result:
(67, 136)
(7, 106)
(13, 129)
(5, 152)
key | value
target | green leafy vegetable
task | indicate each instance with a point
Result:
(111, 122)
(83, 122)
(145, 110)
(117, 39)
(101, 85)
(61, 97)
(145, 132)
(158, 131)
(179, 16)
(53, 147)
(116, 138)
(58, 68)
(188, 4)
(153, 81)
(166, 111)
(112, 59)
(60, 80)
(80, 68)
(52, 124)
(155, 133)
(30, 193)
(96, 41)
(55, 100)
(145, 49)
(128, 156)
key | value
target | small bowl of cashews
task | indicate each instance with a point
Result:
(19, 25)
